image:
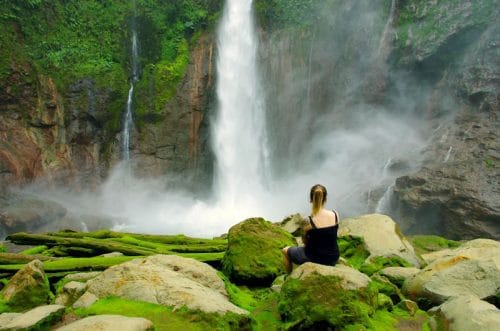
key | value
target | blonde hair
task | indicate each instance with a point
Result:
(317, 197)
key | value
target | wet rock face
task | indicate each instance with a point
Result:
(456, 193)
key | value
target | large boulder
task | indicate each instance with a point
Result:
(253, 254)
(473, 268)
(468, 312)
(28, 288)
(109, 323)
(166, 280)
(382, 238)
(38, 318)
(314, 294)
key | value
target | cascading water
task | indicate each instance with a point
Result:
(239, 130)
(127, 120)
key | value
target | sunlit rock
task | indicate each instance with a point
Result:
(167, 280)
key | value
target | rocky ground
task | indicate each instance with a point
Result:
(384, 281)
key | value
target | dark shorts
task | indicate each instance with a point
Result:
(297, 254)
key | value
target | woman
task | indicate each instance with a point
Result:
(319, 234)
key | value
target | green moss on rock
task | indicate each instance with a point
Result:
(380, 262)
(254, 251)
(167, 318)
(321, 299)
(428, 243)
(353, 250)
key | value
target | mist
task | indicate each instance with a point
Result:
(320, 127)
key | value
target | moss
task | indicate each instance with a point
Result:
(428, 243)
(380, 262)
(166, 318)
(319, 299)
(2, 249)
(353, 250)
(254, 253)
(35, 250)
(31, 294)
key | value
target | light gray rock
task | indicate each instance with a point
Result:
(468, 312)
(70, 293)
(109, 323)
(351, 279)
(397, 275)
(82, 276)
(473, 268)
(34, 317)
(381, 235)
(167, 280)
(6, 318)
(86, 300)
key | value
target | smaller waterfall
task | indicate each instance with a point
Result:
(384, 204)
(127, 119)
(448, 154)
(386, 34)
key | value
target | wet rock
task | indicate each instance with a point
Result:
(397, 275)
(70, 292)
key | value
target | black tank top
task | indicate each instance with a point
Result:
(321, 246)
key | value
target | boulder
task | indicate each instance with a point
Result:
(382, 237)
(28, 288)
(109, 323)
(166, 280)
(315, 294)
(397, 275)
(86, 300)
(468, 312)
(35, 319)
(70, 292)
(254, 253)
(293, 224)
(473, 268)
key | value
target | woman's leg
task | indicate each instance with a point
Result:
(286, 260)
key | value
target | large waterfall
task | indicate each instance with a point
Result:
(239, 131)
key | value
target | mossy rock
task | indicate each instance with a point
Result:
(353, 250)
(428, 243)
(378, 263)
(28, 288)
(167, 318)
(319, 300)
(254, 253)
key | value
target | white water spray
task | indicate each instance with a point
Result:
(239, 131)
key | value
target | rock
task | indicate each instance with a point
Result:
(109, 323)
(293, 224)
(28, 288)
(315, 294)
(397, 275)
(86, 300)
(112, 254)
(409, 306)
(254, 253)
(468, 312)
(350, 279)
(381, 235)
(35, 319)
(82, 276)
(70, 293)
(6, 318)
(166, 280)
(473, 268)
(455, 193)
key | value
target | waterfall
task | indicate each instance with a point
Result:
(384, 204)
(448, 154)
(127, 119)
(239, 138)
(384, 40)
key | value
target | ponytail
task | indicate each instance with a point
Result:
(317, 197)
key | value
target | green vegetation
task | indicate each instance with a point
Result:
(254, 251)
(166, 318)
(353, 250)
(2, 249)
(35, 250)
(380, 262)
(428, 243)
